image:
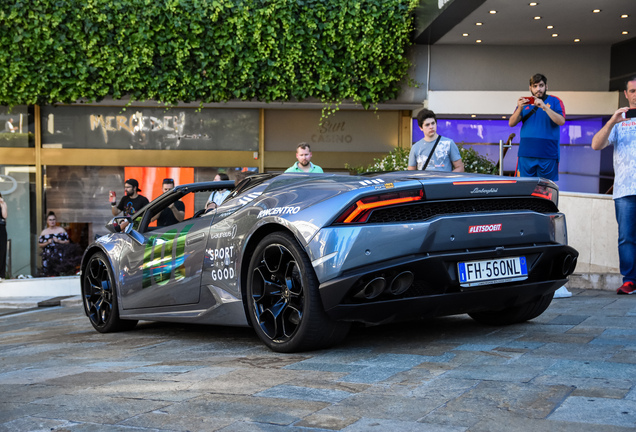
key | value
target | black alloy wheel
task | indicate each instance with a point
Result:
(283, 299)
(100, 297)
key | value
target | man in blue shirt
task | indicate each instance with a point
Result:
(620, 131)
(304, 165)
(541, 115)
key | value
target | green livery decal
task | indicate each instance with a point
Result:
(159, 263)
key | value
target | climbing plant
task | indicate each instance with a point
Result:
(203, 50)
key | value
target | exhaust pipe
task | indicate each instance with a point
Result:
(401, 283)
(567, 267)
(372, 289)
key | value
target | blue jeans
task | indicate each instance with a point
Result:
(626, 218)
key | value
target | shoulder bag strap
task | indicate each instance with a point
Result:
(439, 137)
(527, 116)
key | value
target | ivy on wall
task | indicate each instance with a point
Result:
(203, 50)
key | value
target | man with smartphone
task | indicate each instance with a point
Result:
(620, 131)
(541, 115)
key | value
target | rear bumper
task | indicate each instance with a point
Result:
(436, 291)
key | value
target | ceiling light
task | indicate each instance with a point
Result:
(473, 115)
(493, 12)
(577, 40)
(625, 32)
(555, 34)
(550, 27)
(478, 23)
(503, 117)
(596, 10)
(478, 41)
(624, 16)
(537, 17)
(464, 34)
(533, 4)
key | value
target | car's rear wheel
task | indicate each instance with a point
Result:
(516, 314)
(283, 299)
(100, 296)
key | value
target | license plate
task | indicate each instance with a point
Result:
(485, 272)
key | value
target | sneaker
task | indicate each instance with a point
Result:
(562, 293)
(627, 288)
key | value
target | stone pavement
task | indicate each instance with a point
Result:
(571, 369)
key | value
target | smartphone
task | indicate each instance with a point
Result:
(630, 113)
(113, 196)
(530, 99)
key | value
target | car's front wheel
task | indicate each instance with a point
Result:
(516, 314)
(283, 299)
(100, 296)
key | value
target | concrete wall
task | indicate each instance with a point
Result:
(592, 230)
(508, 68)
(505, 68)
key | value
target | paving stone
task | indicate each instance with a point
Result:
(372, 374)
(318, 365)
(10, 411)
(36, 424)
(244, 426)
(328, 422)
(444, 388)
(405, 408)
(593, 369)
(504, 372)
(371, 424)
(575, 351)
(163, 421)
(527, 400)
(102, 409)
(624, 337)
(240, 408)
(597, 411)
(304, 393)
(507, 422)
(586, 384)
(569, 319)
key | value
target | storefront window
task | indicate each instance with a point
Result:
(79, 196)
(143, 128)
(17, 189)
(343, 131)
(14, 126)
(580, 167)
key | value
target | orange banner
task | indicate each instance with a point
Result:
(151, 180)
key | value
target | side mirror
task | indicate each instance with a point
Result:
(120, 224)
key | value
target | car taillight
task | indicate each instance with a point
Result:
(547, 191)
(360, 211)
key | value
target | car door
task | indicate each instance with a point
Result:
(162, 266)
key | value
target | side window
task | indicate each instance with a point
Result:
(137, 222)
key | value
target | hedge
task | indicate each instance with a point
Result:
(175, 51)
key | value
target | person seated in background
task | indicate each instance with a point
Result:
(217, 197)
(51, 239)
(175, 212)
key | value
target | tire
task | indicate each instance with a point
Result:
(283, 299)
(100, 296)
(514, 315)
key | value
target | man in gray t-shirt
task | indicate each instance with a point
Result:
(446, 156)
